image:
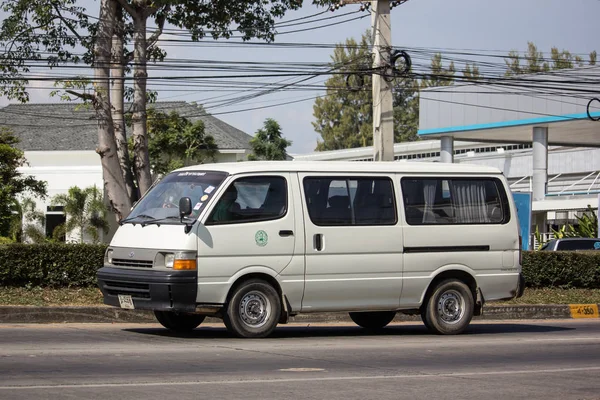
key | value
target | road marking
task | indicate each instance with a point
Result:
(584, 310)
(309, 380)
(301, 369)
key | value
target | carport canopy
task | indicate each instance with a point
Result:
(506, 109)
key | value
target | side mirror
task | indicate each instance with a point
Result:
(185, 207)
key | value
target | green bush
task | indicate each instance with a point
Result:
(67, 265)
(564, 269)
(5, 240)
(50, 265)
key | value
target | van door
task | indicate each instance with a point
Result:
(251, 228)
(353, 242)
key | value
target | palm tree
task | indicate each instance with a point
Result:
(85, 211)
(28, 222)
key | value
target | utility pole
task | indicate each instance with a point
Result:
(383, 72)
(383, 112)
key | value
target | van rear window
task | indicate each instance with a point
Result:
(448, 201)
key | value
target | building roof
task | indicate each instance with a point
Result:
(61, 126)
(344, 167)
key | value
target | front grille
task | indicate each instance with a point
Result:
(122, 262)
(135, 290)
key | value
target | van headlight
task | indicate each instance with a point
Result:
(169, 260)
(109, 256)
(181, 260)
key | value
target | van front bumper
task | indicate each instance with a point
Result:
(150, 290)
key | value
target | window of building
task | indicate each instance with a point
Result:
(344, 201)
(55, 218)
(437, 201)
(251, 199)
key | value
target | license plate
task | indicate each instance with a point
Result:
(126, 302)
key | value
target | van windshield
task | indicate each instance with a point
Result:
(162, 201)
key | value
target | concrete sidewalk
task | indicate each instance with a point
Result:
(105, 314)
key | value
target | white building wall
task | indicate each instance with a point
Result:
(63, 170)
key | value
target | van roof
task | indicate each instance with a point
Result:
(343, 166)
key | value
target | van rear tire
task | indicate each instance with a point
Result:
(180, 323)
(253, 310)
(449, 309)
(372, 320)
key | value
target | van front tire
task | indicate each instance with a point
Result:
(179, 323)
(449, 309)
(253, 310)
(372, 320)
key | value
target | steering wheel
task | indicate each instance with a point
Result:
(169, 204)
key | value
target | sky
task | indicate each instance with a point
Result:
(480, 25)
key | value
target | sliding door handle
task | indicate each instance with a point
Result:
(318, 242)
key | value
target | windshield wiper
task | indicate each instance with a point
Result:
(152, 220)
(184, 219)
(126, 220)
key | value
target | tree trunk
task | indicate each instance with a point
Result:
(117, 93)
(114, 183)
(140, 138)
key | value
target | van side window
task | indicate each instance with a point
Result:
(251, 199)
(344, 201)
(437, 201)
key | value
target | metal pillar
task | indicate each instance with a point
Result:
(447, 149)
(383, 112)
(540, 162)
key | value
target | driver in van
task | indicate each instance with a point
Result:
(223, 210)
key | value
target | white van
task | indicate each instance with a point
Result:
(257, 242)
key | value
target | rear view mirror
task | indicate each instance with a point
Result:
(185, 207)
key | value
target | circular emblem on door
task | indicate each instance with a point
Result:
(261, 238)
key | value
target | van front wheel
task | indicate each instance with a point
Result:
(253, 310)
(449, 309)
(179, 323)
(373, 319)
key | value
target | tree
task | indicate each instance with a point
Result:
(564, 59)
(439, 75)
(268, 144)
(406, 109)
(537, 63)
(175, 142)
(31, 222)
(471, 72)
(56, 27)
(344, 116)
(85, 211)
(12, 182)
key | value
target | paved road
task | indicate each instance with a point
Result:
(516, 360)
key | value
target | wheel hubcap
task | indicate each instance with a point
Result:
(255, 309)
(451, 306)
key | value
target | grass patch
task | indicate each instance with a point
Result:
(87, 296)
(91, 296)
(557, 296)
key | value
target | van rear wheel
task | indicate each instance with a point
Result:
(253, 310)
(179, 323)
(372, 319)
(449, 309)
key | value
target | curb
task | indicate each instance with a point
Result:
(105, 314)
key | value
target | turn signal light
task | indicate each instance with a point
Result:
(184, 265)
